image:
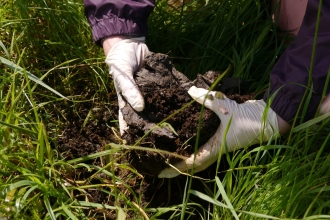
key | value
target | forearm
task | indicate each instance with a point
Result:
(109, 42)
(283, 126)
(289, 14)
(291, 75)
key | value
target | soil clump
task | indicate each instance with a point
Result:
(90, 128)
(165, 91)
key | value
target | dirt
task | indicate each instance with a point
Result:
(165, 92)
(90, 128)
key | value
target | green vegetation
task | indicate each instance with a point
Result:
(285, 179)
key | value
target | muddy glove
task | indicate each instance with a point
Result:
(125, 58)
(246, 126)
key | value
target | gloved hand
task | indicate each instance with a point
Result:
(125, 58)
(250, 123)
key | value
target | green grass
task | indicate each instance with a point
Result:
(285, 179)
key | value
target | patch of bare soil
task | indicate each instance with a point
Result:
(89, 129)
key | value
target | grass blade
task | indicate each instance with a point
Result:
(32, 77)
(4, 49)
(49, 208)
(96, 205)
(225, 197)
(311, 122)
(23, 130)
(68, 212)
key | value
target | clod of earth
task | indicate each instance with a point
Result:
(165, 92)
(89, 130)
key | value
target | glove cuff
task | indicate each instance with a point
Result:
(126, 40)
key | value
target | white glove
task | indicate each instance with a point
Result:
(247, 127)
(125, 58)
(325, 106)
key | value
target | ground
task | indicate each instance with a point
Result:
(165, 92)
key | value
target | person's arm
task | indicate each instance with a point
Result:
(109, 42)
(247, 123)
(118, 17)
(289, 14)
(120, 27)
(293, 73)
(241, 125)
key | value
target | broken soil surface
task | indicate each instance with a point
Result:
(165, 91)
(90, 128)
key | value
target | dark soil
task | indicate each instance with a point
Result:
(166, 97)
(90, 128)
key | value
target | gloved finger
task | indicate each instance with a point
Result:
(213, 100)
(129, 90)
(121, 104)
(122, 123)
(124, 59)
(121, 101)
(206, 155)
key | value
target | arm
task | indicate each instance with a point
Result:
(121, 17)
(120, 27)
(291, 74)
(289, 79)
(289, 14)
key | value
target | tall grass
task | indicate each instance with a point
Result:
(220, 33)
(282, 179)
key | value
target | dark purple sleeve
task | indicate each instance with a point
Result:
(291, 72)
(118, 17)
